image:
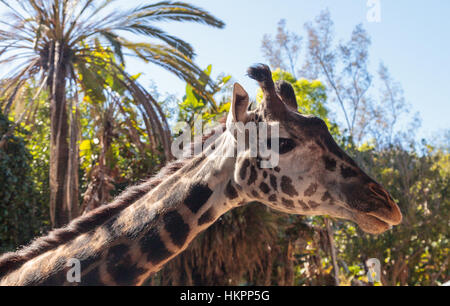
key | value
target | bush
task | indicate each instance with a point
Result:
(20, 216)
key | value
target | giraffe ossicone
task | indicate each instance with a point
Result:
(124, 242)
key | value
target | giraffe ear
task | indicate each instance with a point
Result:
(239, 105)
(287, 95)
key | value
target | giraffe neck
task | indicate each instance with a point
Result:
(129, 247)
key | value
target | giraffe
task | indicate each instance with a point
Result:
(124, 242)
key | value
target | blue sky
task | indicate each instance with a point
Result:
(412, 40)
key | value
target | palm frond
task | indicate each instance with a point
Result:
(15, 83)
(155, 121)
(172, 41)
(115, 42)
(13, 10)
(177, 63)
(175, 11)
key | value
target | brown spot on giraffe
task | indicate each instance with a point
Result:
(92, 278)
(288, 203)
(243, 171)
(197, 196)
(120, 265)
(256, 194)
(273, 182)
(176, 227)
(313, 204)
(273, 198)
(152, 245)
(264, 188)
(311, 190)
(230, 191)
(330, 163)
(327, 197)
(207, 217)
(287, 187)
(303, 204)
(348, 172)
(253, 176)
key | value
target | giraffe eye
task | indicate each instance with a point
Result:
(285, 145)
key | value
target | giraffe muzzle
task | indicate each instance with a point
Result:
(389, 212)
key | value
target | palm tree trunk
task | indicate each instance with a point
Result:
(59, 147)
(73, 163)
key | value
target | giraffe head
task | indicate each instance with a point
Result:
(314, 176)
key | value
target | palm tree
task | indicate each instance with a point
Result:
(57, 41)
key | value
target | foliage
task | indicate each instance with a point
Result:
(117, 144)
(311, 97)
(417, 251)
(194, 105)
(282, 51)
(351, 87)
(21, 218)
(63, 44)
(38, 26)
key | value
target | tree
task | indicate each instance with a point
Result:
(285, 47)
(416, 252)
(194, 105)
(56, 41)
(311, 96)
(117, 146)
(20, 217)
(386, 115)
(416, 175)
(342, 67)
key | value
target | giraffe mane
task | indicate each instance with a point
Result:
(85, 223)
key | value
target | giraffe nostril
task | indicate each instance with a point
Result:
(381, 194)
(378, 191)
(394, 216)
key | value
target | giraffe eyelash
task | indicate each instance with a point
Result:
(285, 145)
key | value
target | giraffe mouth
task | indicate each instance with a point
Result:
(368, 222)
(379, 214)
(371, 224)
